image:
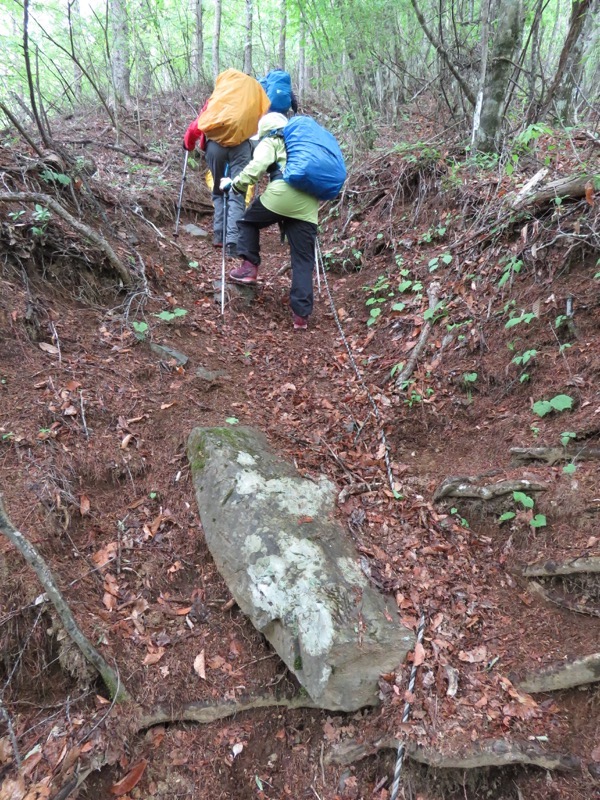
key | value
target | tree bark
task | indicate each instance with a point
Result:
(282, 25)
(119, 57)
(507, 35)
(248, 42)
(579, 11)
(198, 48)
(216, 39)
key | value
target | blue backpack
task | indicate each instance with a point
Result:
(315, 163)
(278, 86)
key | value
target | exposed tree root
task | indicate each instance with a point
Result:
(563, 602)
(34, 559)
(84, 230)
(564, 675)
(461, 486)
(204, 713)
(493, 753)
(554, 455)
(547, 569)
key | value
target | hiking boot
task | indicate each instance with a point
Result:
(300, 323)
(218, 240)
(231, 250)
(245, 273)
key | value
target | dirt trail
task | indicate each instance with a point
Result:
(93, 468)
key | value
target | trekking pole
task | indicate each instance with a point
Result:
(185, 160)
(225, 210)
(317, 267)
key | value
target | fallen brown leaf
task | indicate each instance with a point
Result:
(130, 780)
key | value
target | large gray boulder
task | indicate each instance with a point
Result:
(292, 568)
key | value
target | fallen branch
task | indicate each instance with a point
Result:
(565, 675)
(554, 455)
(93, 236)
(433, 295)
(522, 193)
(573, 188)
(463, 487)
(493, 753)
(34, 559)
(572, 567)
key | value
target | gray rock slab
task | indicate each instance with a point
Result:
(210, 375)
(169, 353)
(292, 568)
(244, 294)
(195, 230)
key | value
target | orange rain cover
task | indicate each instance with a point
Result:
(234, 108)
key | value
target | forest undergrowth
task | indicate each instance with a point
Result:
(466, 288)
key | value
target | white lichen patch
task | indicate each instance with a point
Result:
(252, 545)
(245, 459)
(293, 495)
(351, 571)
(287, 586)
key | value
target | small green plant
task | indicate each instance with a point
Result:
(560, 402)
(445, 258)
(537, 521)
(168, 316)
(55, 177)
(140, 330)
(569, 469)
(512, 267)
(524, 358)
(436, 313)
(535, 431)
(525, 317)
(16, 215)
(469, 380)
(41, 216)
(462, 520)
(232, 420)
(193, 264)
(566, 437)
(396, 368)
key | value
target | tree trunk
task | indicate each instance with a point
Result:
(506, 38)
(248, 42)
(282, 24)
(74, 17)
(216, 39)
(302, 63)
(198, 47)
(484, 33)
(119, 57)
(574, 66)
(579, 11)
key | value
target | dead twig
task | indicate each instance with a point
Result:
(433, 294)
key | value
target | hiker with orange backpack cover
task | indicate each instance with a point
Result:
(222, 130)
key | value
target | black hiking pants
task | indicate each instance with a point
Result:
(300, 234)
